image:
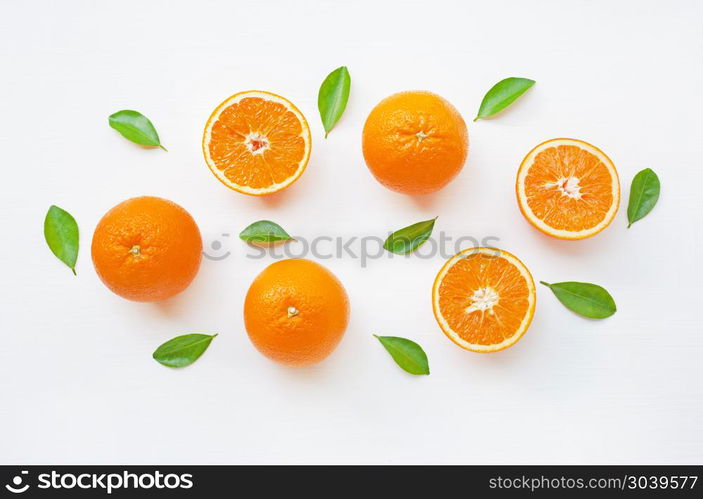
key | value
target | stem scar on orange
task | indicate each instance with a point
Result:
(296, 312)
(484, 299)
(257, 143)
(415, 142)
(568, 188)
(147, 249)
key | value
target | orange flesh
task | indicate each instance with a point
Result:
(486, 275)
(568, 188)
(257, 143)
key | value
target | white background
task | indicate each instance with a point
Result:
(77, 381)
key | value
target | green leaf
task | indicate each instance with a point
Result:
(61, 234)
(644, 193)
(183, 350)
(333, 96)
(502, 94)
(588, 300)
(406, 353)
(136, 127)
(264, 231)
(409, 238)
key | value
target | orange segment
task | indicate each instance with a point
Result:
(568, 188)
(484, 299)
(257, 143)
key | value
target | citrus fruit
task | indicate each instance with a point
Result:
(415, 142)
(568, 188)
(147, 249)
(484, 299)
(257, 142)
(296, 312)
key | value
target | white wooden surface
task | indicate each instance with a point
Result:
(77, 381)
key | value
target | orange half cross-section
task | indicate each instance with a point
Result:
(568, 189)
(484, 299)
(257, 143)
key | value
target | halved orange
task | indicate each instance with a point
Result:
(484, 299)
(568, 188)
(257, 142)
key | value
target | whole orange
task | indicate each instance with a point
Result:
(147, 249)
(296, 312)
(415, 142)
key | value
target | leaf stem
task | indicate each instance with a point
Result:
(545, 283)
(162, 147)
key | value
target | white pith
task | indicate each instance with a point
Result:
(254, 137)
(568, 186)
(489, 253)
(561, 233)
(305, 134)
(483, 299)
